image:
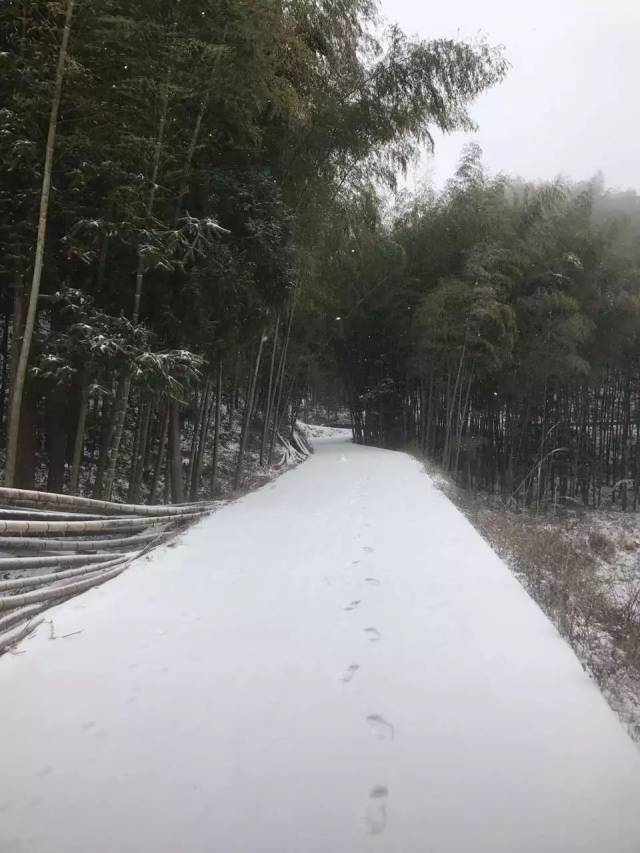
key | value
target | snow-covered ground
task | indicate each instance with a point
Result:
(335, 663)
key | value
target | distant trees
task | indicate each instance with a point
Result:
(506, 341)
(206, 157)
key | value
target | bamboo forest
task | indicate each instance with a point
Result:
(319, 426)
(202, 234)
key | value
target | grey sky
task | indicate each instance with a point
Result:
(569, 104)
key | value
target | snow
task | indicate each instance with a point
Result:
(335, 663)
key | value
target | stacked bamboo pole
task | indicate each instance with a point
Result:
(62, 545)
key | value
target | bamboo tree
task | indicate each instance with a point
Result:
(280, 376)
(162, 441)
(269, 400)
(216, 428)
(25, 348)
(195, 467)
(80, 431)
(122, 399)
(174, 459)
(248, 412)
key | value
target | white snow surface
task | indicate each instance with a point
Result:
(335, 663)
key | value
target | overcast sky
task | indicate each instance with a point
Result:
(570, 104)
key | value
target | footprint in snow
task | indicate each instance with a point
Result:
(349, 672)
(352, 604)
(380, 728)
(372, 581)
(375, 815)
(373, 634)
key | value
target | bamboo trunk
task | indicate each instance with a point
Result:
(26, 497)
(65, 574)
(41, 595)
(80, 432)
(198, 424)
(25, 348)
(248, 411)
(105, 525)
(280, 377)
(164, 427)
(196, 474)
(175, 455)
(267, 408)
(140, 453)
(120, 413)
(216, 430)
(10, 638)
(88, 546)
(8, 564)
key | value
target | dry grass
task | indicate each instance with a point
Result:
(602, 545)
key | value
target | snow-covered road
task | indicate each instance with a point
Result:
(336, 663)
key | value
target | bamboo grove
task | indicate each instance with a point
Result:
(171, 174)
(496, 327)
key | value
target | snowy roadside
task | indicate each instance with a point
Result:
(39, 571)
(583, 570)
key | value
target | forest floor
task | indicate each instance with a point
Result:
(583, 569)
(338, 662)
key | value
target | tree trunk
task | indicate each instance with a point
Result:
(119, 415)
(216, 429)
(184, 184)
(125, 380)
(25, 471)
(248, 411)
(4, 354)
(175, 455)
(196, 474)
(164, 424)
(140, 452)
(56, 437)
(107, 427)
(135, 316)
(195, 439)
(23, 361)
(462, 421)
(280, 377)
(452, 408)
(80, 431)
(268, 405)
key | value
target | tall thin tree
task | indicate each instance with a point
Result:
(25, 348)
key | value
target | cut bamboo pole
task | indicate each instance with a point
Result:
(44, 580)
(22, 614)
(87, 546)
(105, 525)
(29, 497)
(37, 596)
(10, 638)
(12, 564)
(15, 514)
